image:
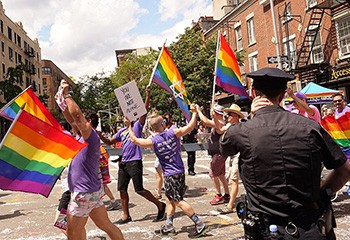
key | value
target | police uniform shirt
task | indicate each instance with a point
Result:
(280, 160)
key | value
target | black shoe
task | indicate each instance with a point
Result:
(122, 221)
(191, 173)
(161, 213)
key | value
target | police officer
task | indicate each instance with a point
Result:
(280, 166)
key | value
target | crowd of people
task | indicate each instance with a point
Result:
(277, 153)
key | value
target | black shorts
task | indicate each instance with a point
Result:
(175, 187)
(130, 170)
(64, 201)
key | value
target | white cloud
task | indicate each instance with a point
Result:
(85, 33)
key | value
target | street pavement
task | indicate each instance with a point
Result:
(30, 216)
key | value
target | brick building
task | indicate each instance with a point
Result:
(311, 37)
(51, 78)
(17, 48)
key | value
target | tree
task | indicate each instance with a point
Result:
(9, 87)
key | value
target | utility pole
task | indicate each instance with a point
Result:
(276, 36)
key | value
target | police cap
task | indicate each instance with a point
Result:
(270, 81)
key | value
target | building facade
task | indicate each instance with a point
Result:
(51, 78)
(18, 48)
(309, 38)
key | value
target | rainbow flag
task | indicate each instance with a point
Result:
(30, 103)
(168, 77)
(339, 129)
(227, 72)
(33, 154)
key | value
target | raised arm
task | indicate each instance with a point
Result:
(108, 141)
(146, 143)
(206, 121)
(303, 105)
(179, 132)
(147, 101)
(73, 113)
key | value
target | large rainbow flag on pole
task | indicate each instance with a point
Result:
(167, 76)
(339, 129)
(33, 154)
(29, 102)
(227, 71)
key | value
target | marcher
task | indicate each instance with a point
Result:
(103, 166)
(131, 167)
(280, 166)
(303, 108)
(85, 186)
(191, 155)
(217, 164)
(166, 145)
(341, 108)
(234, 115)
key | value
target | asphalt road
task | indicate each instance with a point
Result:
(30, 216)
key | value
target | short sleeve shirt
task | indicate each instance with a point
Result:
(280, 159)
(131, 152)
(168, 150)
(83, 174)
(339, 114)
(316, 116)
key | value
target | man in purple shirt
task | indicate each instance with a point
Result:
(131, 167)
(166, 145)
(83, 180)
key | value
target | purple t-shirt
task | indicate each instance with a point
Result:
(339, 114)
(167, 148)
(131, 152)
(83, 170)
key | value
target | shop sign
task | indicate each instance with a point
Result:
(337, 73)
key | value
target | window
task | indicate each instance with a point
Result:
(9, 33)
(289, 49)
(46, 70)
(253, 61)
(19, 41)
(343, 30)
(19, 58)
(44, 82)
(2, 26)
(3, 48)
(10, 54)
(239, 40)
(251, 32)
(317, 52)
(3, 70)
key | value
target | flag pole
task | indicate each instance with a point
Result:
(155, 66)
(12, 125)
(10, 102)
(216, 66)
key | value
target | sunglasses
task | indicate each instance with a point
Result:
(335, 101)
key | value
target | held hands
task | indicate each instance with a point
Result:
(193, 108)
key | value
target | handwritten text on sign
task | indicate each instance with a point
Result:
(130, 101)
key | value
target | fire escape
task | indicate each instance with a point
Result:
(311, 72)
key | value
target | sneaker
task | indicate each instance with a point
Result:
(166, 231)
(201, 231)
(217, 200)
(191, 173)
(225, 210)
(226, 198)
(113, 206)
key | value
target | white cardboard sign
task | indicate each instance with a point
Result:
(130, 101)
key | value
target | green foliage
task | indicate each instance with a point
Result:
(9, 87)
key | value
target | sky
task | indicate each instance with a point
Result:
(80, 36)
